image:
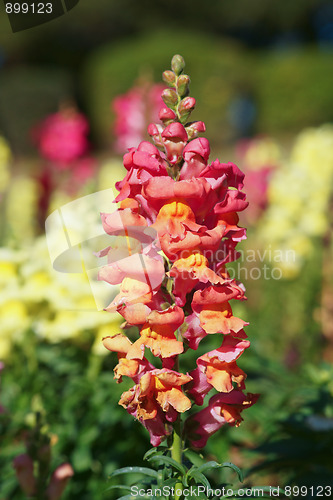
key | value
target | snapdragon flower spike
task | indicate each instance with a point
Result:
(179, 216)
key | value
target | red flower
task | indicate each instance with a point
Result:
(142, 164)
(222, 409)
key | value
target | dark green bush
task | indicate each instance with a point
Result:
(291, 89)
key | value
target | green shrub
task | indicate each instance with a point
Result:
(291, 89)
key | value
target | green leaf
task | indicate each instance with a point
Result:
(193, 457)
(214, 465)
(200, 478)
(119, 486)
(235, 468)
(171, 481)
(135, 470)
(169, 461)
(208, 465)
(131, 497)
(150, 452)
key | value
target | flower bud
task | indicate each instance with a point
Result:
(174, 138)
(175, 131)
(170, 98)
(154, 131)
(169, 77)
(187, 104)
(185, 108)
(166, 114)
(183, 85)
(195, 128)
(177, 64)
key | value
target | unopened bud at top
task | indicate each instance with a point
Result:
(177, 64)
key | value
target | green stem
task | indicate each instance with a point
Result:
(177, 453)
(177, 443)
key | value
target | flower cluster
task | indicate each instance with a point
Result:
(133, 111)
(178, 223)
(298, 214)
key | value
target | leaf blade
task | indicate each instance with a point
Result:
(170, 461)
(135, 470)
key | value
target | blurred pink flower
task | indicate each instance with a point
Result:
(62, 137)
(58, 481)
(133, 112)
(24, 468)
(259, 156)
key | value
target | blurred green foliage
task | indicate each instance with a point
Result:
(79, 398)
(27, 95)
(301, 448)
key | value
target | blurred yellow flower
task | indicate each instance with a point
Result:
(56, 306)
(299, 197)
(5, 158)
(21, 209)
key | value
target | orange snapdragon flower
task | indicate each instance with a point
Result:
(157, 388)
(178, 218)
(158, 334)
